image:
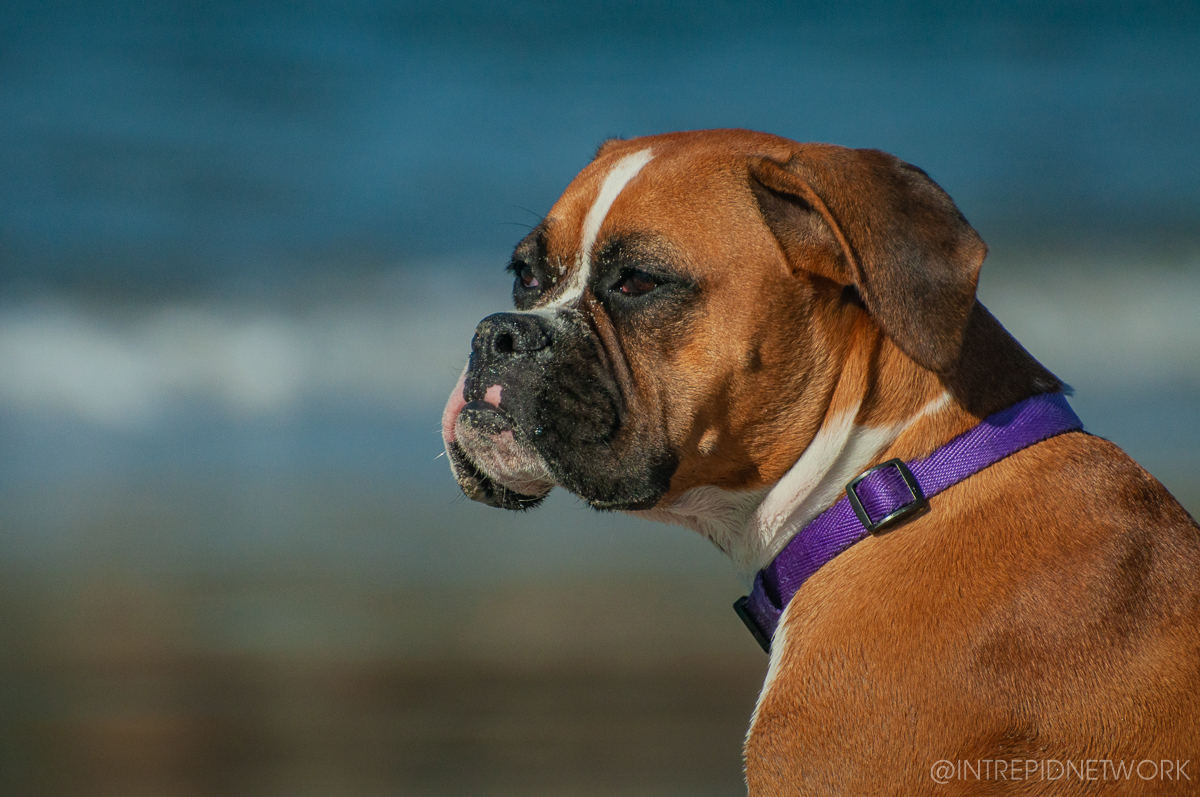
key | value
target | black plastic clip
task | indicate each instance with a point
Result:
(761, 638)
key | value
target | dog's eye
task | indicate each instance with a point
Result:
(526, 276)
(635, 283)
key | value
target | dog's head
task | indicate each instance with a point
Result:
(684, 310)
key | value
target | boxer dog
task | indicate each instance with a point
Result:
(725, 329)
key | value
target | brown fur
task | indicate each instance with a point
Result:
(1046, 608)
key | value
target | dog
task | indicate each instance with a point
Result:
(779, 346)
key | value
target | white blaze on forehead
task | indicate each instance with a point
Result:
(614, 182)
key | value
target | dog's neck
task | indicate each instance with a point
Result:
(882, 406)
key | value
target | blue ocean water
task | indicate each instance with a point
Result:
(243, 247)
(208, 145)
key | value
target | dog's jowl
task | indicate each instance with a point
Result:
(778, 345)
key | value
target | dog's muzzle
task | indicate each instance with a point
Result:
(493, 459)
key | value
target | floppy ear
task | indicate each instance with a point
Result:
(867, 219)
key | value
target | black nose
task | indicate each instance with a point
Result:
(506, 335)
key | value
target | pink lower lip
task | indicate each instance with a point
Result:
(457, 401)
(453, 408)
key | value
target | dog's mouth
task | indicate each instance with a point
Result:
(491, 461)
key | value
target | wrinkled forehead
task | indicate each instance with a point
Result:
(651, 189)
(577, 218)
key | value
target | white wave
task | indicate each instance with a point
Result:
(400, 352)
(1128, 329)
(400, 349)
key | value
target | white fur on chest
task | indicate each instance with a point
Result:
(753, 527)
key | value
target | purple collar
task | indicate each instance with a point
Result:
(890, 493)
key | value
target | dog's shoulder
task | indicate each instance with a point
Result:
(1064, 579)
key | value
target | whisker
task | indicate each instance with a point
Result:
(540, 217)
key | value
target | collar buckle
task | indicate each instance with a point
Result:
(882, 492)
(742, 607)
